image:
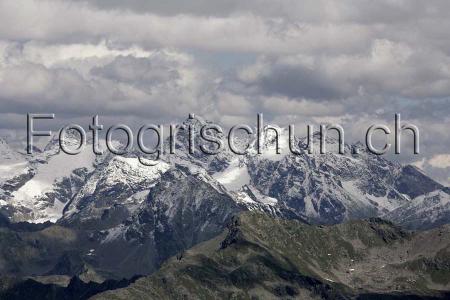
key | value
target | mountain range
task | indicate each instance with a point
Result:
(111, 217)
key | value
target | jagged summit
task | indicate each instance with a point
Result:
(321, 188)
(196, 121)
(72, 139)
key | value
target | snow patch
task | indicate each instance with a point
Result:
(351, 188)
(57, 167)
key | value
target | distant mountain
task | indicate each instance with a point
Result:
(135, 236)
(44, 183)
(12, 165)
(7, 155)
(260, 257)
(425, 211)
(319, 188)
(114, 242)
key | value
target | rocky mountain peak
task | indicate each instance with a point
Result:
(7, 153)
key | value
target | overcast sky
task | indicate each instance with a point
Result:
(350, 62)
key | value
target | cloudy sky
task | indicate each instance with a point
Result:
(351, 62)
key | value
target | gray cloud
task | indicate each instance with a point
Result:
(363, 11)
(164, 83)
(141, 72)
(387, 68)
(260, 26)
(300, 82)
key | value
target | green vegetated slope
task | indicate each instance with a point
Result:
(259, 257)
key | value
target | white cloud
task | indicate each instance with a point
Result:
(440, 161)
(100, 79)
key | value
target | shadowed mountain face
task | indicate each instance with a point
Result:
(181, 211)
(414, 183)
(76, 289)
(259, 257)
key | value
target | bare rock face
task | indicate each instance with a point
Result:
(267, 258)
(413, 182)
(425, 211)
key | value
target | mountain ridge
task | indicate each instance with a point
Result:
(262, 257)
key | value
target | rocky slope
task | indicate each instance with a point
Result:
(181, 209)
(14, 171)
(425, 211)
(43, 183)
(259, 257)
(331, 188)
